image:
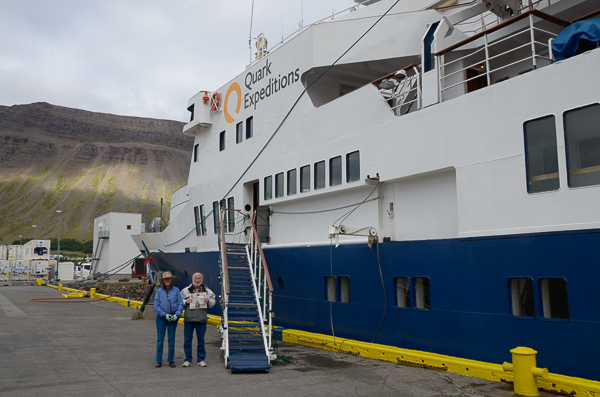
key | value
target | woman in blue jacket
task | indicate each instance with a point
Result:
(168, 306)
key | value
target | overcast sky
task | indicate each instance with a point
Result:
(141, 58)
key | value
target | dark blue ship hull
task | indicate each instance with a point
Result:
(470, 313)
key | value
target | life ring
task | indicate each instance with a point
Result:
(215, 102)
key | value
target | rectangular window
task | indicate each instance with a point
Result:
(421, 288)
(402, 291)
(268, 187)
(541, 155)
(279, 185)
(222, 141)
(582, 140)
(291, 182)
(335, 171)
(223, 207)
(352, 166)
(249, 132)
(239, 132)
(344, 282)
(521, 297)
(305, 179)
(320, 175)
(231, 205)
(202, 220)
(330, 292)
(554, 298)
(196, 148)
(197, 221)
(215, 215)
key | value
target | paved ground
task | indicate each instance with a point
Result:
(95, 349)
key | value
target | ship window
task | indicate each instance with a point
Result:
(222, 141)
(352, 166)
(344, 283)
(215, 214)
(239, 132)
(582, 139)
(402, 291)
(279, 185)
(231, 205)
(197, 219)
(191, 110)
(320, 175)
(128, 227)
(202, 220)
(541, 155)
(249, 131)
(200, 223)
(196, 148)
(335, 171)
(421, 288)
(554, 298)
(330, 292)
(268, 187)
(305, 179)
(291, 182)
(225, 213)
(521, 297)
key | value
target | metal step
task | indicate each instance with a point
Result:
(248, 362)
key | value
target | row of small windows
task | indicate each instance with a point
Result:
(319, 174)
(415, 292)
(239, 132)
(228, 221)
(582, 149)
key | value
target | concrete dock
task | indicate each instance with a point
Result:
(95, 349)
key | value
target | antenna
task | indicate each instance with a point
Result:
(302, 13)
(250, 36)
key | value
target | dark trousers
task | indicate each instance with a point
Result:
(188, 334)
(162, 325)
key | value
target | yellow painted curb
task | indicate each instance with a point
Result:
(479, 369)
(558, 383)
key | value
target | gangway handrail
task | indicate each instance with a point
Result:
(537, 13)
(262, 255)
(224, 253)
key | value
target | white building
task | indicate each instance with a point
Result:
(113, 245)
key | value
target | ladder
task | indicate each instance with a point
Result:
(96, 257)
(246, 340)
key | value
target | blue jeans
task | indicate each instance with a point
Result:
(188, 333)
(163, 325)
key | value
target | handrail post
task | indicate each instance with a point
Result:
(487, 53)
(531, 33)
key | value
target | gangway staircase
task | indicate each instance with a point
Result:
(244, 282)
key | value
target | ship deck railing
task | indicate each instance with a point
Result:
(401, 90)
(501, 52)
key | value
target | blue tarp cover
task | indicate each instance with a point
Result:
(567, 42)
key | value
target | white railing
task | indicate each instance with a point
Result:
(235, 230)
(401, 90)
(529, 47)
(263, 285)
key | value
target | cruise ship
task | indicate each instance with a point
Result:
(417, 173)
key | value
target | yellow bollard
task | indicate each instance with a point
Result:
(525, 371)
(93, 293)
(60, 287)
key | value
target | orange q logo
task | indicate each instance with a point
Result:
(233, 87)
